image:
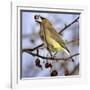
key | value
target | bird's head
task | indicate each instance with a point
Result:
(39, 18)
(43, 21)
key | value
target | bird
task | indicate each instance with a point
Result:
(50, 37)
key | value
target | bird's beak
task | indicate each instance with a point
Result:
(38, 18)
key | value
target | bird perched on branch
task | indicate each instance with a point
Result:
(49, 36)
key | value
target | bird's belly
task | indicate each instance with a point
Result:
(53, 45)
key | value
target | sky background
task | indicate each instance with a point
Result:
(31, 39)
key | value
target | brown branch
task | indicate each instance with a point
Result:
(67, 73)
(76, 67)
(72, 41)
(69, 25)
(72, 56)
(29, 49)
(51, 58)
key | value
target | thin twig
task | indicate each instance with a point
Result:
(51, 58)
(72, 56)
(72, 41)
(69, 25)
(76, 67)
(29, 49)
(38, 51)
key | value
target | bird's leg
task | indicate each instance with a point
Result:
(49, 52)
(72, 60)
(55, 54)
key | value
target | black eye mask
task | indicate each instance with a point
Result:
(36, 16)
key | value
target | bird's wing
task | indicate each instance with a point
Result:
(57, 38)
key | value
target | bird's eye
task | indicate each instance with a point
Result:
(36, 16)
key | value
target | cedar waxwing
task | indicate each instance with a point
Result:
(49, 35)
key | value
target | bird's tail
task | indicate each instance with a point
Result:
(68, 52)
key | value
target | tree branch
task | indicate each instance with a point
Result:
(51, 58)
(29, 49)
(69, 25)
(72, 41)
(76, 67)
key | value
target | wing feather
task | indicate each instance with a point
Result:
(57, 38)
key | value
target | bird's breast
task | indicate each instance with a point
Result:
(41, 33)
(53, 45)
